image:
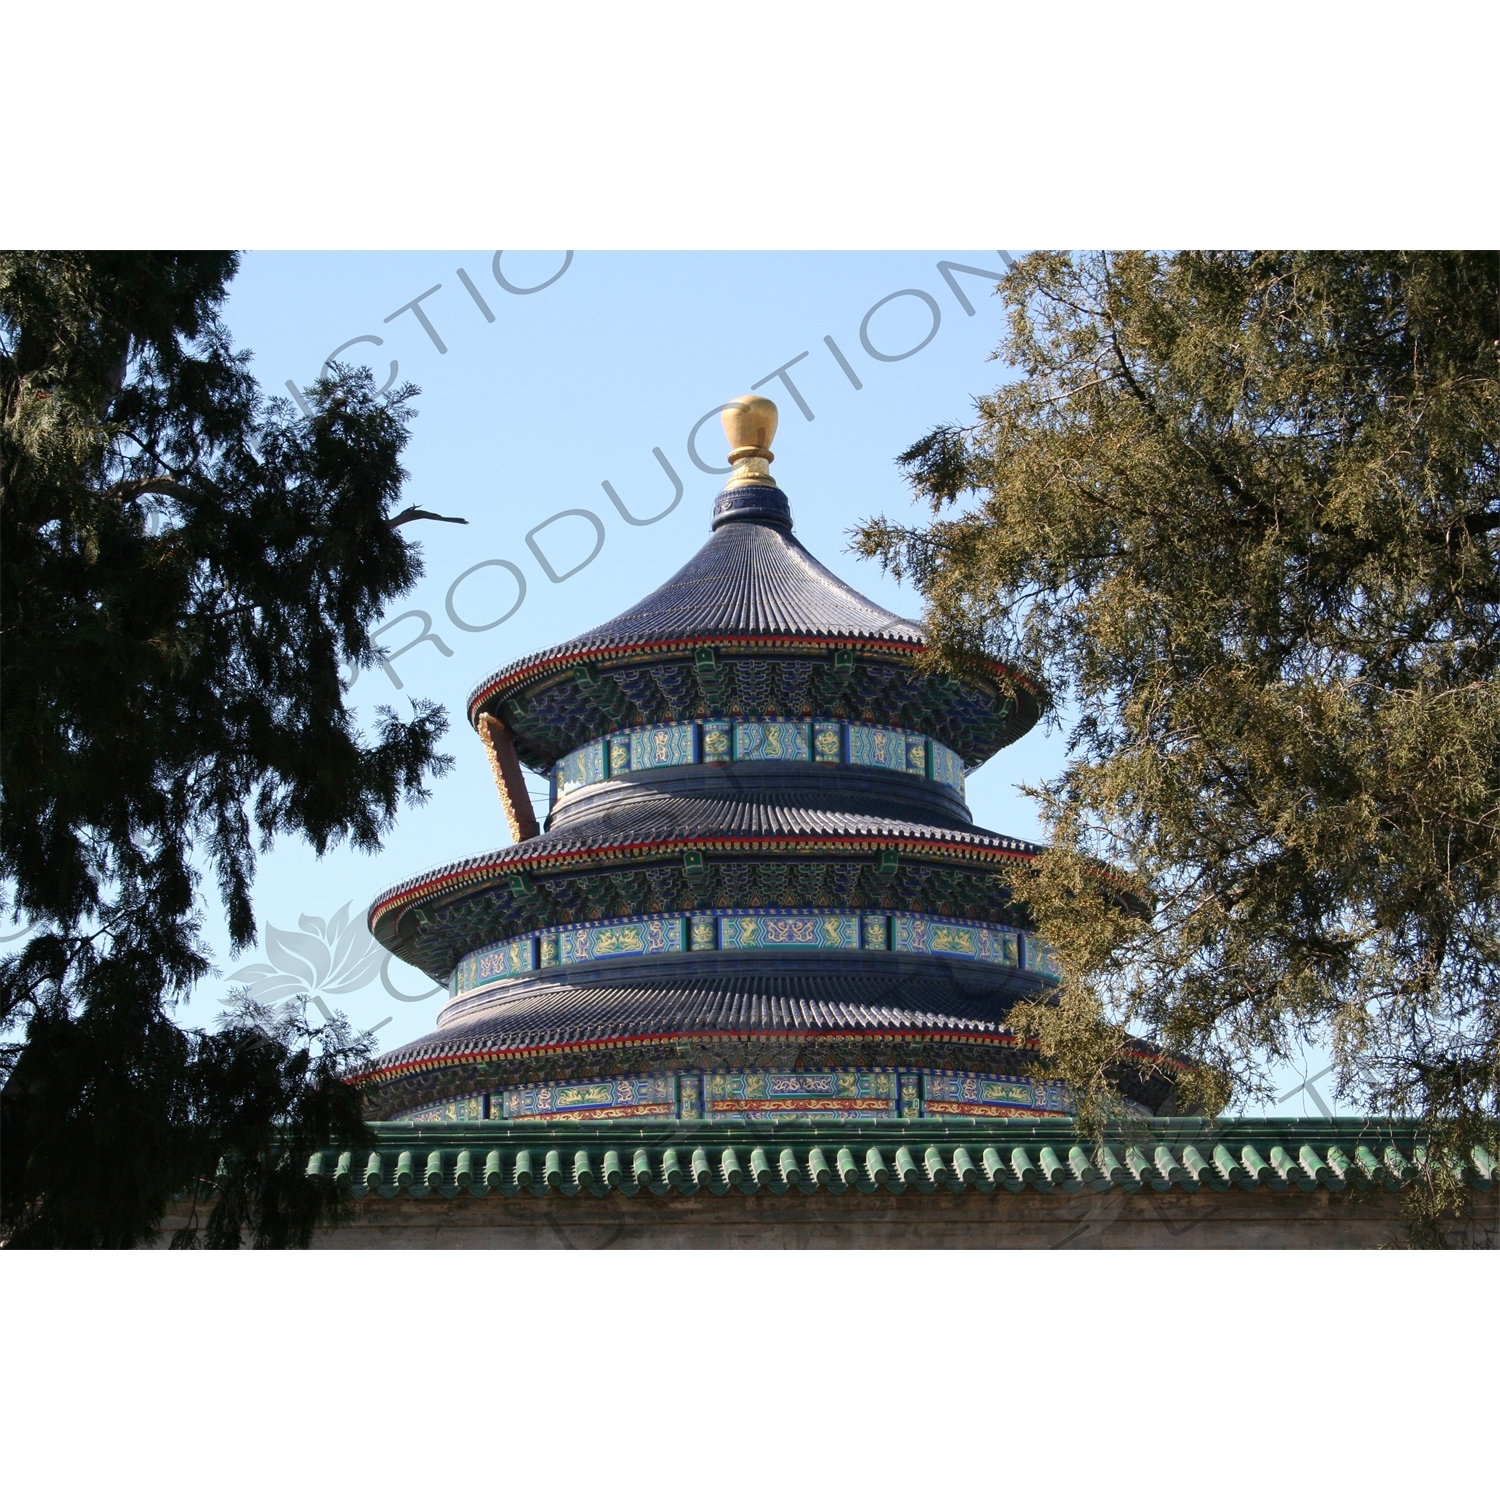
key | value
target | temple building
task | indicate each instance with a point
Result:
(749, 983)
(759, 894)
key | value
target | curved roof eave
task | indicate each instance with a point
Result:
(391, 904)
(540, 665)
(748, 584)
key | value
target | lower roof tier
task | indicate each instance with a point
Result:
(595, 1022)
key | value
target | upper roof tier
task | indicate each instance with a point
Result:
(751, 578)
(752, 590)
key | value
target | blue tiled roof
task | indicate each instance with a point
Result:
(747, 579)
(552, 1014)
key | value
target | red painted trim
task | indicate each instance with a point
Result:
(422, 1065)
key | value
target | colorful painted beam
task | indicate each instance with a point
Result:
(760, 1094)
(769, 930)
(730, 741)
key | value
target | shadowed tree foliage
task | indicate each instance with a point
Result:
(185, 566)
(1239, 514)
(227, 1118)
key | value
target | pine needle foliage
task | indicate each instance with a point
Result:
(185, 565)
(1238, 515)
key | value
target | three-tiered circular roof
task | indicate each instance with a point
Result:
(753, 751)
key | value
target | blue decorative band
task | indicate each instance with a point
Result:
(787, 930)
(885, 748)
(941, 938)
(845, 1095)
(663, 745)
(946, 765)
(976, 1095)
(581, 767)
(500, 961)
(772, 739)
(776, 930)
(650, 1097)
(632, 938)
(720, 741)
(450, 1111)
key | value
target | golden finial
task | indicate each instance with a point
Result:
(750, 424)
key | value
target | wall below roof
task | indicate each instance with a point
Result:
(1115, 1221)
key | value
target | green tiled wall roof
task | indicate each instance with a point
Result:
(1164, 1155)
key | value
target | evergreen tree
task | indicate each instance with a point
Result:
(1239, 517)
(185, 565)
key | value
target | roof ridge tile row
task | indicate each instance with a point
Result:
(1162, 1155)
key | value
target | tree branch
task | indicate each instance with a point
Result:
(412, 513)
(1213, 465)
(133, 489)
